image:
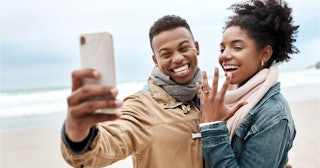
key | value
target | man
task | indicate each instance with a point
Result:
(155, 125)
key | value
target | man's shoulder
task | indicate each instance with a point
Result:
(145, 89)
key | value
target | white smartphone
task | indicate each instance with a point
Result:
(96, 51)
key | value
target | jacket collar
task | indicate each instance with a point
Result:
(161, 96)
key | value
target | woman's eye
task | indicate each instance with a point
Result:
(237, 48)
(221, 50)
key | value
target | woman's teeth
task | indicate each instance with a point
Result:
(230, 68)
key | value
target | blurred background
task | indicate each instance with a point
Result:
(40, 39)
(39, 48)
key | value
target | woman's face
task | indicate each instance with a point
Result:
(239, 55)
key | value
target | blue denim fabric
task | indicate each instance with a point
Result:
(263, 139)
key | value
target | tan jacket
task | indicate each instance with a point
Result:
(154, 128)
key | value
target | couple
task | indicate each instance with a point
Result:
(245, 124)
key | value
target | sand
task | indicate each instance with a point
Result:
(306, 147)
(40, 147)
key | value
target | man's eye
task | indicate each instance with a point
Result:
(184, 49)
(221, 50)
(165, 55)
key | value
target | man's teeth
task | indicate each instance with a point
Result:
(230, 67)
(181, 69)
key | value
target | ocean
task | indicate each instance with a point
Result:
(47, 107)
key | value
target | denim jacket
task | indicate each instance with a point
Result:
(263, 139)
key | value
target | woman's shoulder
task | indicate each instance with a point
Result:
(271, 111)
(272, 103)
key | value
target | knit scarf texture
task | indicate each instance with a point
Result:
(251, 92)
(184, 93)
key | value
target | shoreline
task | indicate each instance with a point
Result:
(40, 146)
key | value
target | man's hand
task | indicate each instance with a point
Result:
(81, 116)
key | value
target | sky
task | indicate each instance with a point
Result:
(40, 39)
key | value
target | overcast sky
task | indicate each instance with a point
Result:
(40, 38)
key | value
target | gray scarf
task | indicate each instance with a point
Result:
(184, 93)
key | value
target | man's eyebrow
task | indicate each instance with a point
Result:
(181, 43)
(184, 41)
(162, 49)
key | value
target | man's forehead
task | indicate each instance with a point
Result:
(171, 35)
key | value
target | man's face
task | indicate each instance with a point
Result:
(175, 52)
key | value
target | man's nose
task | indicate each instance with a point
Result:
(177, 57)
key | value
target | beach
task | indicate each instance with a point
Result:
(306, 147)
(40, 147)
(37, 148)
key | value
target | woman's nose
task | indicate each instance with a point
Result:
(225, 55)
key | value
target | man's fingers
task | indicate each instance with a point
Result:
(88, 107)
(79, 75)
(83, 93)
(84, 122)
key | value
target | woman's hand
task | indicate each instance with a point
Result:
(212, 104)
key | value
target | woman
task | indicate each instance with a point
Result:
(249, 123)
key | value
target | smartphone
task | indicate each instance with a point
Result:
(96, 51)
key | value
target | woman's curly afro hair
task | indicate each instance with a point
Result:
(267, 22)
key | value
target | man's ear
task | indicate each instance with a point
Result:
(266, 53)
(154, 60)
(197, 47)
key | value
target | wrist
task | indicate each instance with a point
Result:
(76, 133)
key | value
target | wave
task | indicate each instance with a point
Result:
(296, 78)
(48, 101)
(24, 103)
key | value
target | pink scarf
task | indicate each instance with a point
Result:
(251, 92)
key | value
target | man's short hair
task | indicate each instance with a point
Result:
(165, 23)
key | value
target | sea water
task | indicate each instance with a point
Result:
(44, 107)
